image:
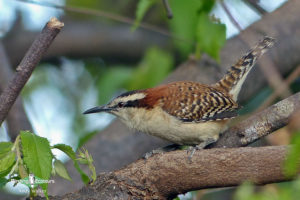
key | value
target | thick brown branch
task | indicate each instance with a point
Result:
(167, 175)
(260, 124)
(27, 65)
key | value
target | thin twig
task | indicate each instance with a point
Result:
(256, 6)
(27, 65)
(227, 11)
(168, 9)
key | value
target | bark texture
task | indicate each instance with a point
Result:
(167, 175)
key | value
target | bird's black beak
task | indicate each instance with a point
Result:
(97, 109)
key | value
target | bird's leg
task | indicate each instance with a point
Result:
(191, 149)
(171, 147)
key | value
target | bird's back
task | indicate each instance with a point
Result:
(193, 102)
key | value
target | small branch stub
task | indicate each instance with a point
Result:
(27, 65)
(55, 23)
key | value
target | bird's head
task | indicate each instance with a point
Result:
(123, 106)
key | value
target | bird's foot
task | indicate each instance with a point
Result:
(168, 148)
(192, 149)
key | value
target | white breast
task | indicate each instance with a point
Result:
(158, 123)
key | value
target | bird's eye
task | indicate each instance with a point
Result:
(120, 104)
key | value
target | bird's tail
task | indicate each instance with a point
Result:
(236, 75)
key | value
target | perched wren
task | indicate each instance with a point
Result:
(185, 112)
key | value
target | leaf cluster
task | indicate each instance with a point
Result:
(191, 22)
(31, 154)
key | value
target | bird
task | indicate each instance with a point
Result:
(185, 112)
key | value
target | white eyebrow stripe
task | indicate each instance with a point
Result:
(132, 97)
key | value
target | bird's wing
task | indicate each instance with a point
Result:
(194, 102)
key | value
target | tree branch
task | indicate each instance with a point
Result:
(260, 124)
(16, 119)
(27, 65)
(167, 175)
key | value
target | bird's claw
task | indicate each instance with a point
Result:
(151, 153)
(161, 150)
(192, 149)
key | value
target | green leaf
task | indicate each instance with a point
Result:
(37, 156)
(154, 67)
(291, 165)
(88, 159)
(183, 24)
(142, 7)
(86, 3)
(3, 182)
(206, 6)
(5, 147)
(210, 36)
(244, 192)
(7, 158)
(61, 170)
(295, 193)
(69, 151)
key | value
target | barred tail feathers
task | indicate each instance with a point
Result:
(236, 75)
